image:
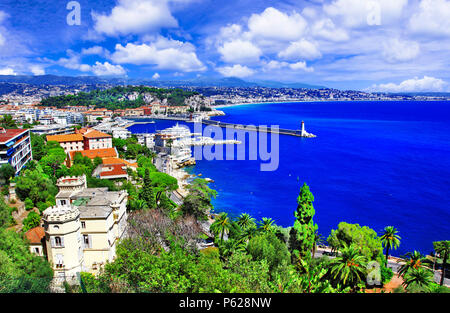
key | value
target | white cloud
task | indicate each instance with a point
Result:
(301, 66)
(164, 54)
(95, 50)
(413, 85)
(277, 65)
(236, 70)
(37, 70)
(301, 49)
(107, 69)
(239, 51)
(156, 76)
(395, 50)
(7, 71)
(135, 17)
(276, 25)
(326, 29)
(433, 17)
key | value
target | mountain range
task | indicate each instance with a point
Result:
(197, 82)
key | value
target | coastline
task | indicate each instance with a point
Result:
(312, 101)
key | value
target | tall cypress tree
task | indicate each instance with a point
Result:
(147, 191)
(301, 239)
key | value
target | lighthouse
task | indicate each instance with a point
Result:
(303, 133)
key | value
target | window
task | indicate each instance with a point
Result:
(36, 250)
(58, 242)
(63, 202)
(87, 241)
(83, 224)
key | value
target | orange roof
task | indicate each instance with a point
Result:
(95, 134)
(117, 169)
(35, 235)
(115, 160)
(65, 138)
(92, 154)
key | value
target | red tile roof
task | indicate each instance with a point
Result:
(35, 235)
(116, 170)
(10, 134)
(65, 138)
(96, 134)
(92, 154)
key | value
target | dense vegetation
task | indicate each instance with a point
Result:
(116, 98)
(162, 255)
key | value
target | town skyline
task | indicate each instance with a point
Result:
(375, 45)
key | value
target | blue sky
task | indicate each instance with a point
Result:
(386, 45)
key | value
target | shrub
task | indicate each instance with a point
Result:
(29, 204)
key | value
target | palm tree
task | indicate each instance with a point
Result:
(442, 248)
(266, 224)
(413, 261)
(245, 221)
(349, 268)
(221, 225)
(390, 240)
(420, 277)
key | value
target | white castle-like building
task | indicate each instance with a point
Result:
(84, 227)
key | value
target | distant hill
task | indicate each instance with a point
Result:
(197, 82)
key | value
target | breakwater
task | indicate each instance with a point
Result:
(281, 131)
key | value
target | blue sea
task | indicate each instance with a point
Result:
(372, 163)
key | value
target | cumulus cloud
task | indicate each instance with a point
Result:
(239, 51)
(156, 76)
(164, 54)
(107, 69)
(95, 50)
(397, 50)
(135, 17)
(431, 18)
(236, 70)
(37, 70)
(277, 65)
(301, 49)
(413, 85)
(7, 71)
(274, 24)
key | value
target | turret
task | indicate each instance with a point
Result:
(63, 239)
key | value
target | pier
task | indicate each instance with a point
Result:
(281, 131)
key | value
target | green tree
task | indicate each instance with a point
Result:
(390, 240)
(221, 225)
(32, 220)
(147, 193)
(267, 224)
(267, 246)
(198, 201)
(245, 221)
(21, 271)
(8, 122)
(413, 260)
(442, 248)
(302, 234)
(162, 183)
(349, 268)
(421, 278)
(7, 172)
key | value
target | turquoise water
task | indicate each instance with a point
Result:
(372, 163)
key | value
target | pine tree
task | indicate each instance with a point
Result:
(302, 235)
(147, 191)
